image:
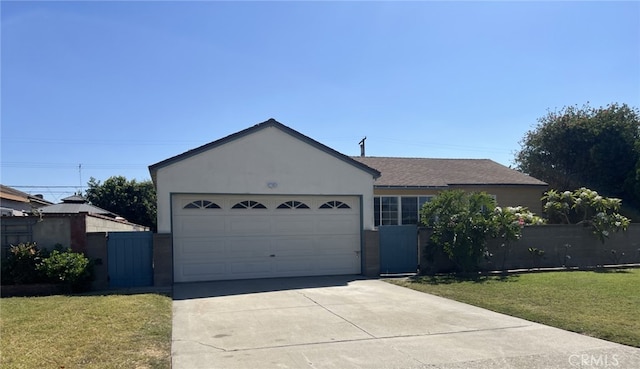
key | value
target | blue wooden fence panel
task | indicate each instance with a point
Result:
(130, 259)
(398, 249)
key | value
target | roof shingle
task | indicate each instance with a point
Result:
(426, 172)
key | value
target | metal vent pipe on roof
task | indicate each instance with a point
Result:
(362, 146)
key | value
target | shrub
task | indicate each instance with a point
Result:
(461, 223)
(587, 207)
(26, 264)
(66, 267)
(507, 223)
(21, 264)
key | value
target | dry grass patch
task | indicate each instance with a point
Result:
(113, 331)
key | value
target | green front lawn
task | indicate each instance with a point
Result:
(114, 331)
(601, 304)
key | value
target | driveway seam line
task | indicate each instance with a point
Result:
(201, 343)
(338, 315)
(373, 338)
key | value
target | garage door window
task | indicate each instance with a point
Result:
(202, 204)
(293, 205)
(248, 205)
(334, 205)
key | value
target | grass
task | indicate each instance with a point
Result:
(112, 331)
(599, 304)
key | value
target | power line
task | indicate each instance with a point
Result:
(17, 186)
(54, 192)
(16, 164)
(101, 142)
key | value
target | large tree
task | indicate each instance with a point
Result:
(590, 147)
(135, 201)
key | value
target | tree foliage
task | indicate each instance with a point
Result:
(585, 206)
(590, 147)
(135, 201)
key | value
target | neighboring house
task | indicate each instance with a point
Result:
(18, 203)
(269, 201)
(66, 224)
(407, 183)
(96, 219)
(77, 204)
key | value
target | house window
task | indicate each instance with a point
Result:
(202, 204)
(334, 205)
(411, 207)
(397, 210)
(293, 205)
(248, 205)
(385, 210)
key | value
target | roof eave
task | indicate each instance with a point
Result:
(501, 184)
(416, 187)
(410, 187)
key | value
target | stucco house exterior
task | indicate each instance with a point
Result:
(269, 201)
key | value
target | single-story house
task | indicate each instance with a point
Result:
(17, 203)
(269, 201)
(407, 183)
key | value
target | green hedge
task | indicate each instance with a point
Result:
(27, 264)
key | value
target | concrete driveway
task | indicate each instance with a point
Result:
(348, 322)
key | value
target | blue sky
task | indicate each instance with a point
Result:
(112, 87)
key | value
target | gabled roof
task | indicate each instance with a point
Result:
(424, 172)
(269, 123)
(74, 205)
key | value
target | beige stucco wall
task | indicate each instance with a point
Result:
(266, 162)
(528, 196)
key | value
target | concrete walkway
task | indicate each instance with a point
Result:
(347, 322)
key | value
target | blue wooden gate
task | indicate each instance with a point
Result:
(398, 249)
(130, 259)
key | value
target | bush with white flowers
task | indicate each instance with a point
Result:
(587, 207)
